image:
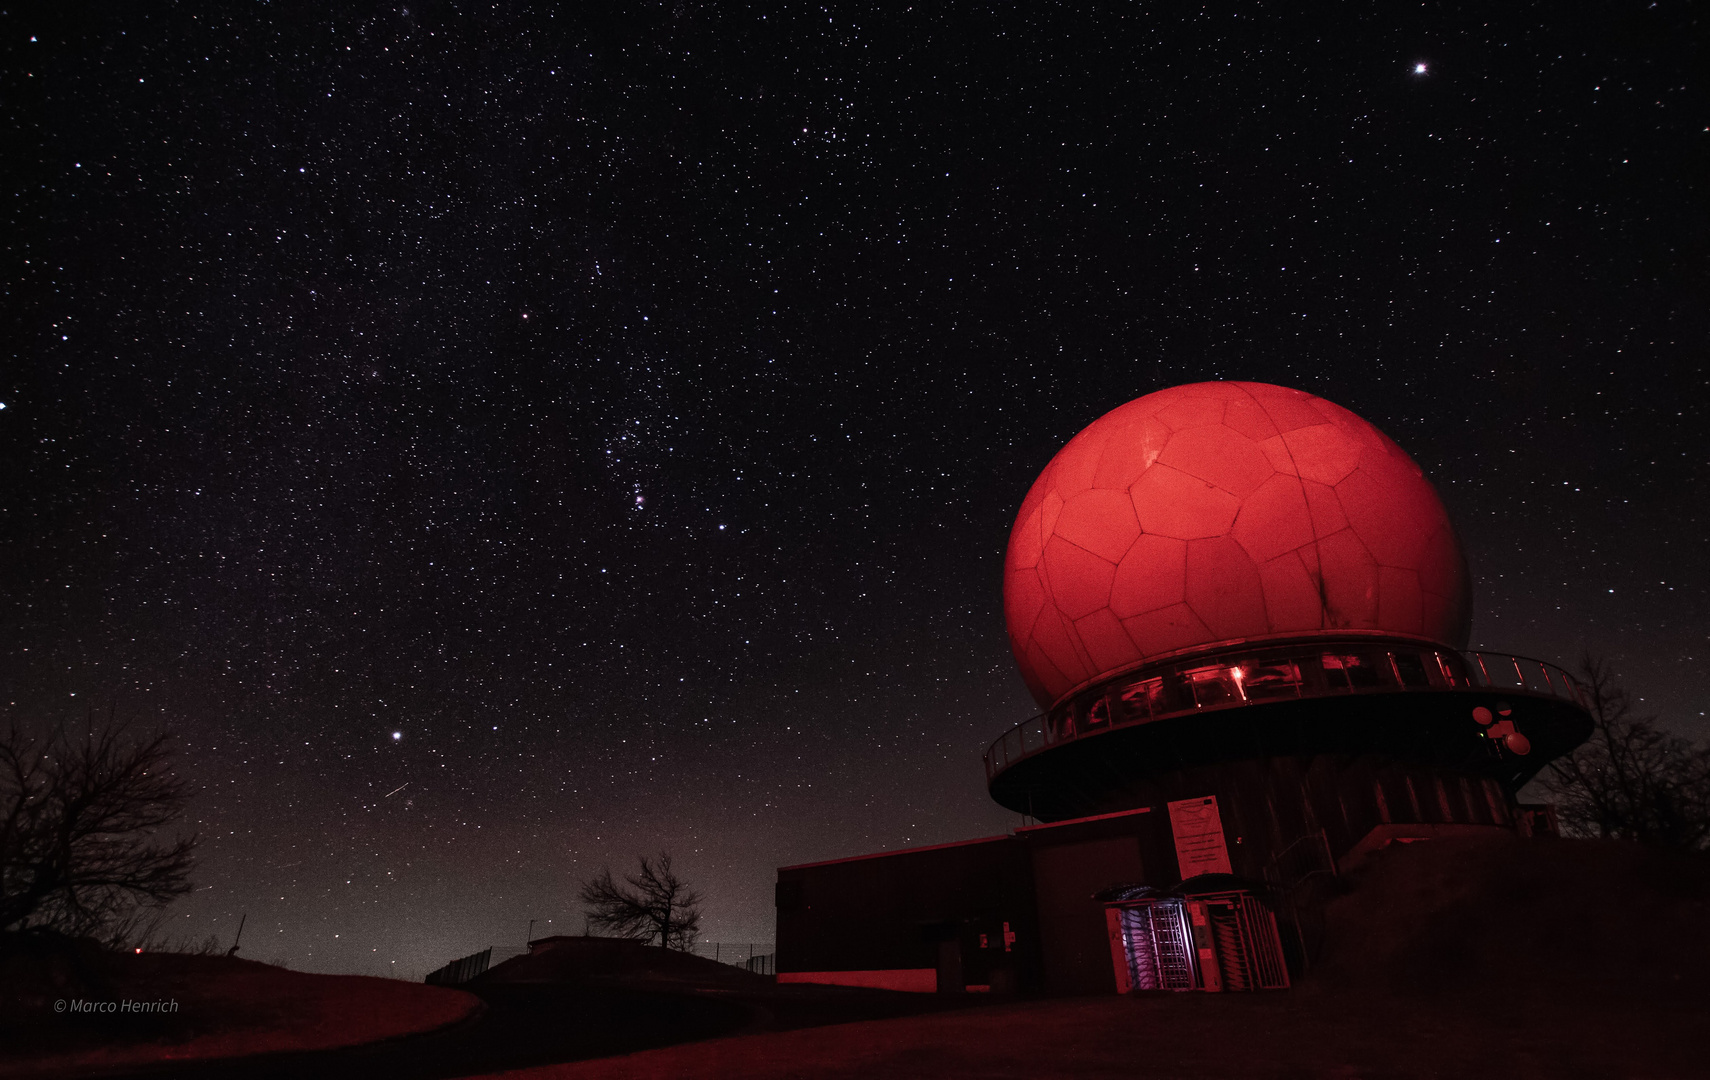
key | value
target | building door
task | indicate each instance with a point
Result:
(1074, 939)
(950, 966)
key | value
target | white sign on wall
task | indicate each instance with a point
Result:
(1200, 847)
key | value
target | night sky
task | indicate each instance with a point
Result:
(500, 441)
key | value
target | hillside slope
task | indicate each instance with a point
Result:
(225, 1007)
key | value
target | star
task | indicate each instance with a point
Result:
(450, 482)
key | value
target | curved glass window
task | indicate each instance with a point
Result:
(1448, 671)
(1213, 686)
(1410, 669)
(1098, 714)
(1271, 674)
(1356, 671)
(1270, 679)
(1141, 702)
(1061, 724)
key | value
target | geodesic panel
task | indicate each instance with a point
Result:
(1224, 510)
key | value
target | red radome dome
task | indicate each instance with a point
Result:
(1220, 511)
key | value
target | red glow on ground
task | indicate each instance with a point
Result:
(1224, 510)
(906, 980)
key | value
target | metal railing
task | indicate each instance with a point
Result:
(1298, 873)
(1503, 672)
(465, 968)
(1309, 855)
(460, 970)
(749, 956)
(1271, 674)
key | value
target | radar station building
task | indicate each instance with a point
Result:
(1243, 612)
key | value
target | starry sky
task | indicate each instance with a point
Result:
(500, 440)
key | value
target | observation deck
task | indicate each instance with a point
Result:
(1484, 713)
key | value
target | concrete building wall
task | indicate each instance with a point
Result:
(1009, 913)
(1016, 912)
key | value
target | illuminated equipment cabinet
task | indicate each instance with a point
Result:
(1214, 939)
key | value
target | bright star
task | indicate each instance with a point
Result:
(1419, 69)
(396, 735)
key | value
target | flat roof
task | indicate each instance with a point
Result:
(967, 843)
(898, 851)
(1079, 820)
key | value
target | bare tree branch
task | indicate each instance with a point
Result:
(1631, 780)
(79, 819)
(654, 903)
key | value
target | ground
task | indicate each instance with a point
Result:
(227, 1007)
(1199, 1036)
(1455, 957)
(1475, 956)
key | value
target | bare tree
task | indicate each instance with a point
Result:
(655, 904)
(1630, 780)
(80, 822)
